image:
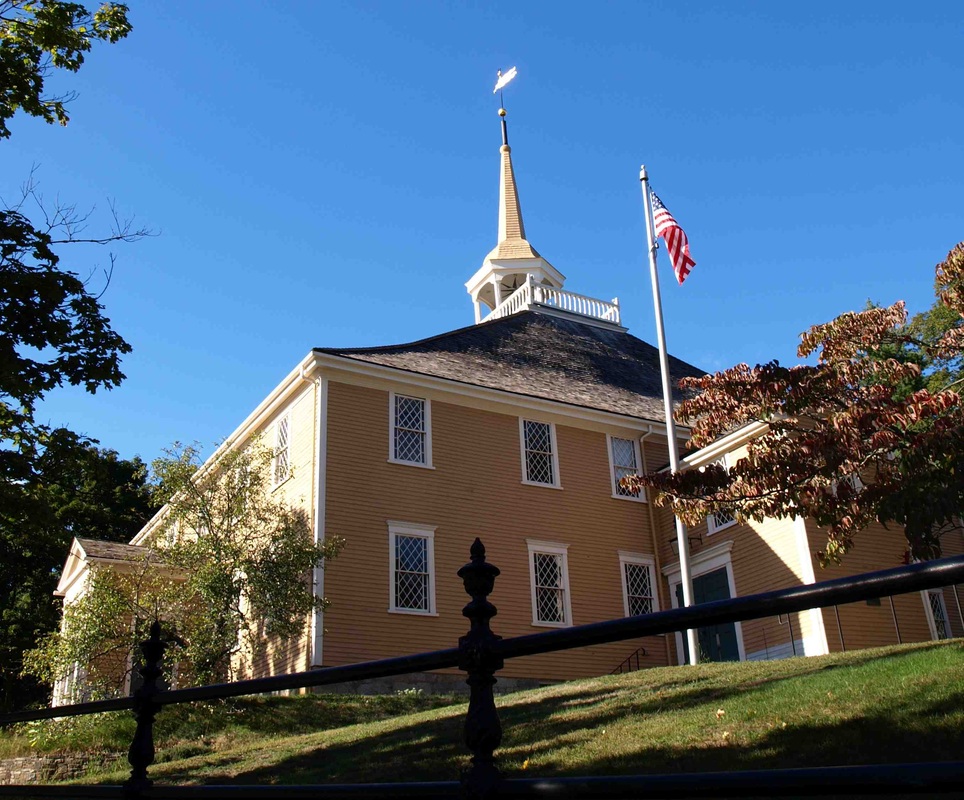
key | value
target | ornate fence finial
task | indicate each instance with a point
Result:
(483, 731)
(141, 753)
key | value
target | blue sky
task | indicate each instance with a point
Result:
(326, 174)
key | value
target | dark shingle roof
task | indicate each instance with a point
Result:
(541, 355)
(114, 551)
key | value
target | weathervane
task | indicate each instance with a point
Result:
(500, 84)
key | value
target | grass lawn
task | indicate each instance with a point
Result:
(875, 706)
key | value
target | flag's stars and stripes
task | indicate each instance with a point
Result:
(677, 245)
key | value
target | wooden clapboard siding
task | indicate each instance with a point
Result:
(474, 489)
(765, 558)
(277, 656)
(858, 625)
(298, 489)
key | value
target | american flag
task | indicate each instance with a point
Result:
(677, 244)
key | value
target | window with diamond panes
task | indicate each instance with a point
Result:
(639, 588)
(550, 587)
(537, 437)
(412, 573)
(623, 454)
(410, 430)
(719, 519)
(939, 612)
(282, 451)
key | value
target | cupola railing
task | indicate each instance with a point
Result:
(531, 294)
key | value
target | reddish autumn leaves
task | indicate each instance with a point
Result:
(863, 435)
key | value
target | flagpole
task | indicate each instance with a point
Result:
(682, 540)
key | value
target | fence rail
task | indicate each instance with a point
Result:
(481, 654)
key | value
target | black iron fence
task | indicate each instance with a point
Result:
(481, 653)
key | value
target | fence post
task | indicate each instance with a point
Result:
(141, 752)
(483, 731)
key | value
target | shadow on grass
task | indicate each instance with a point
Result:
(433, 750)
(409, 752)
(560, 729)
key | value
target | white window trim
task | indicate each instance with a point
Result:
(284, 419)
(427, 464)
(425, 532)
(707, 560)
(556, 484)
(711, 526)
(639, 498)
(551, 548)
(643, 560)
(929, 612)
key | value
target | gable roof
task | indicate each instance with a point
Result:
(544, 355)
(97, 549)
(84, 552)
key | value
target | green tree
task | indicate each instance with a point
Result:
(880, 405)
(53, 331)
(40, 36)
(77, 490)
(227, 566)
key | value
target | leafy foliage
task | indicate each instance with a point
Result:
(53, 483)
(39, 36)
(873, 431)
(76, 489)
(103, 629)
(53, 331)
(227, 565)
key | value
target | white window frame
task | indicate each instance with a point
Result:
(554, 455)
(413, 530)
(929, 612)
(641, 560)
(711, 524)
(283, 423)
(613, 480)
(427, 432)
(537, 546)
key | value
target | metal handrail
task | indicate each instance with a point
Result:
(639, 652)
(915, 577)
(481, 654)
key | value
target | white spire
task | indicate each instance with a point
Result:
(513, 261)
